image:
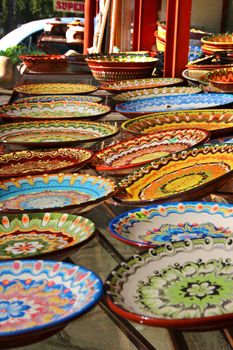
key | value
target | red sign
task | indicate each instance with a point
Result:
(69, 6)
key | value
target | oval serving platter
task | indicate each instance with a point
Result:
(52, 192)
(52, 110)
(54, 88)
(218, 121)
(156, 225)
(179, 102)
(184, 285)
(43, 235)
(186, 175)
(49, 98)
(126, 156)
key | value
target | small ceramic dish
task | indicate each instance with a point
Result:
(53, 192)
(38, 162)
(221, 40)
(186, 175)
(50, 98)
(160, 224)
(39, 298)
(127, 156)
(43, 235)
(221, 78)
(45, 63)
(183, 285)
(54, 88)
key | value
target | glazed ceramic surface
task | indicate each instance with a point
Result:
(126, 156)
(221, 78)
(217, 121)
(172, 222)
(53, 192)
(54, 88)
(185, 175)
(185, 285)
(53, 110)
(39, 162)
(50, 98)
(39, 298)
(45, 235)
(179, 102)
(221, 40)
(220, 140)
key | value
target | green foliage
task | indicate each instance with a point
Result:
(15, 51)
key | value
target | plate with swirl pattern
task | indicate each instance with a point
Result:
(54, 88)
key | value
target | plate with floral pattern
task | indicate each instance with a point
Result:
(53, 192)
(49, 98)
(39, 298)
(55, 88)
(156, 225)
(183, 285)
(186, 175)
(43, 235)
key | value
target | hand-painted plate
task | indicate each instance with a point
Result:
(126, 156)
(43, 235)
(54, 133)
(38, 162)
(185, 175)
(217, 121)
(54, 192)
(156, 225)
(52, 110)
(55, 88)
(49, 98)
(39, 298)
(156, 92)
(184, 285)
(173, 103)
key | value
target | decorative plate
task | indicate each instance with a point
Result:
(183, 285)
(48, 235)
(211, 88)
(126, 156)
(172, 222)
(134, 84)
(49, 98)
(185, 175)
(166, 103)
(156, 92)
(55, 133)
(217, 121)
(39, 162)
(53, 110)
(39, 298)
(55, 88)
(54, 192)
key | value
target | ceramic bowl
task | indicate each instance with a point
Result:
(53, 192)
(45, 63)
(54, 88)
(38, 162)
(125, 157)
(183, 285)
(43, 235)
(220, 41)
(221, 78)
(50, 98)
(39, 298)
(186, 175)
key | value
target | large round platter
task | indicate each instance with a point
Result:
(55, 133)
(217, 121)
(156, 92)
(55, 88)
(39, 298)
(54, 192)
(43, 235)
(52, 110)
(160, 224)
(49, 98)
(126, 156)
(186, 175)
(38, 162)
(171, 103)
(185, 285)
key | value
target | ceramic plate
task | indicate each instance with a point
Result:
(48, 235)
(54, 192)
(128, 155)
(217, 121)
(55, 133)
(185, 175)
(39, 298)
(52, 110)
(211, 88)
(185, 285)
(156, 92)
(49, 98)
(134, 84)
(166, 103)
(172, 222)
(39, 162)
(55, 88)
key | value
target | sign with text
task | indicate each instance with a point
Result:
(69, 6)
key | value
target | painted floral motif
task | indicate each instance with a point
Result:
(24, 247)
(12, 309)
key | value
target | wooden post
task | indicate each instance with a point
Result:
(90, 12)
